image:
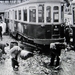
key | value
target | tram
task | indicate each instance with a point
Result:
(37, 21)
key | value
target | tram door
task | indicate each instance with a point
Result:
(48, 20)
(52, 18)
(55, 33)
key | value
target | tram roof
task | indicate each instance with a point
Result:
(44, 0)
(38, 1)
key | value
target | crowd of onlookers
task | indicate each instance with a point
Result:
(56, 47)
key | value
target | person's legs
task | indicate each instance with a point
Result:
(52, 59)
(13, 63)
(58, 61)
(16, 65)
(1, 36)
(68, 39)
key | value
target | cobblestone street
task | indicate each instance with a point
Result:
(35, 65)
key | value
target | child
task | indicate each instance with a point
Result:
(15, 51)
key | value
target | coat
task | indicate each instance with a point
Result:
(15, 51)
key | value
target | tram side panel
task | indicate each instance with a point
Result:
(47, 33)
(39, 33)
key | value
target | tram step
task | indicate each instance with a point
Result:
(56, 32)
(56, 35)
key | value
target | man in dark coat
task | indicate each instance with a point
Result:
(67, 36)
(55, 53)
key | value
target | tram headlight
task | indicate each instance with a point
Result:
(42, 25)
(71, 39)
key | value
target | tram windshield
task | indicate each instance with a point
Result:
(32, 15)
(41, 13)
(48, 14)
(56, 14)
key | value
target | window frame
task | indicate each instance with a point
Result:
(49, 11)
(31, 18)
(56, 14)
(42, 15)
(15, 14)
(26, 15)
(19, 14)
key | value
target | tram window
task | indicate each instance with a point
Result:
(62, 13)
(25, 15)
(32, 15)
(74, 16)
(48, 14)
(19, 14)
(56, 8)
(41, 13)
(56, 14)
(15, 14)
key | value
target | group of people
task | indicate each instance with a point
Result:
(56, 47)
(15, 51)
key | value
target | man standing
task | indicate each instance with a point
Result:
(55, 53)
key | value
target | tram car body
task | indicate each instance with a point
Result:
(39, 21)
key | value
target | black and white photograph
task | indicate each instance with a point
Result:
(37, 37)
